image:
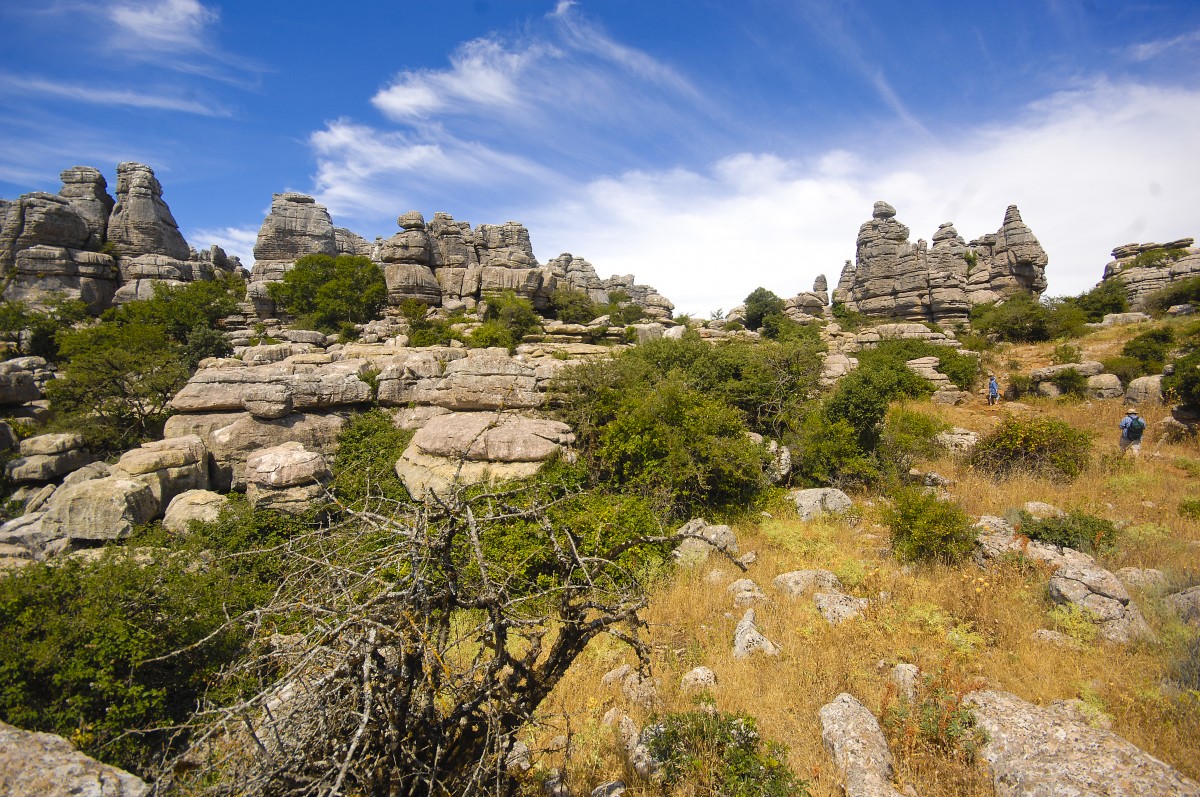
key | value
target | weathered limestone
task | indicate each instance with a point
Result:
(168, 467)
(37, 219)
(837, 608)
(853, 737)
(99, 509)
(797, 583)
(1187, 605)
(85, 188)
(469, 448)
(287, 478)
(812, 503)
(42, 272)
(747, 639)
(694, 550)
(141, 223)
(1145, 390)
(296, 226)
(46, 457)
(1037, 751)
(1181, 261)
(892, 277)
(200, 505)
(19, 380)
(266, 390)
(46, 765)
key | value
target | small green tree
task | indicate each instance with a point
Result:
(508, 319)
(323, 291)
(760, 304)
(924, 526)
(571, 306)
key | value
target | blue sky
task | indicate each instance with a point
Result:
(707, 147)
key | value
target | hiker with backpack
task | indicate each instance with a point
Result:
(1132, 427)
(993, 389)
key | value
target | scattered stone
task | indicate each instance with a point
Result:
(1036, 751)
(797, 583)
(906, 677)
(613, 788)
(698, 678)
(203, 506)
(853, 737)
(1187, 605)
(48, 456)
(1042, 510)
(287, 478)
(838, 608)
(1145, 390)
(696, 549)
(957, 440)
(814, 503)
(745, 592)
(46, 765)
(1145, 579)
(1082, 582)
(168, 467)
(747, 639)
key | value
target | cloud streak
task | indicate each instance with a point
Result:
(44, 87)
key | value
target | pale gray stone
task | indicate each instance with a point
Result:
(818, 501)
(46, 765)
(1035, 751)
(798, 583)
(287, 478)
(854, 739)
(200, 505)
(838, 608)
(696, 549)
(141, 223)
(747, 639)
(1145, 390)
(99, 509)
(698, 678)
(1186, 604)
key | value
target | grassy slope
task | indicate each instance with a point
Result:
(974, 625)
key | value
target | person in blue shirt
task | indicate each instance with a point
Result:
(993, 389)
(1132, 427)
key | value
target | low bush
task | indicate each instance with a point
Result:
(1124, 368)
(1181, 292)
(1156, 258)
(938, 719)
(1077, 530)
(507, 319)
(924, 527)
(1041, 446)
(364, 468)
(572, 306)
(325, 291)
(36, 330)
(826, 452)
(721, 753)
(1070, 383)
(1065, 353)
(760, 304)
(1150, 349)
(1109, 296)
(423, 330)
(1190, 508)
(1185, 381)
(907, 435)
(862, 397)
(1022, 318)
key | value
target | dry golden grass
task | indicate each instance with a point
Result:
(973, 625)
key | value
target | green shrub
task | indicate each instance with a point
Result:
(1019, 385)
(572, 307)
(720, 753)
(1109, 296)
(425, 331)
(1022, 318)
(1150, 349)
(40, 327)
(1124, 368)
(924, 527)
(1065, 353)
(1185, 381)
(680, 447)
(937, 719)
(1041, 446)
(908, 434)
(1077, 530)
(1070, 383)
(760, 304)
(326, 290)
(1156, 258)
(862, 396)
(182, 310)
(1180, 292)
(826, 452)
(1190, 508)
(508, 319)
(365, 464)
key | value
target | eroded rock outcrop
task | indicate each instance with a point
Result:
(141, 223)
(46, 765)
(854, 738)
(892, 277)
(1036, 751)
(1148, 267)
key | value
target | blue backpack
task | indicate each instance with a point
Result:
(1135, 429)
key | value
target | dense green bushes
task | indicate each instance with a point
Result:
(1077, 530)
(1043, 446)
(1024, 319)
(924, 527)
(711, 752)
(760, 305)
(507, 320)
(324, 292)
(364, 470)
(1180, 292)
(36, 330)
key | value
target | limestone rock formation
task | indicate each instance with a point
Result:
(1035, 751)
(817, 501)
(200, 505)
(141, 223)
(578, 274)
(287, 478)
(41, 272)
(796, 583)
(46, 457)
(296, 226)
(892, 277)
(464, 448)
(168, 467)
(1180, 260)
(86, 190)
(747, 639)
(108, 508)
(853, 737)
(46, 765)
(707, 538)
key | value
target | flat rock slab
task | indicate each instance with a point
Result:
(1036, 752)
(854, 739)
(46, 765)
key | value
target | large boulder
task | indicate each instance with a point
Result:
(203, 506)
(231, 437)
(44, 765)
(273, 389)
(854, 739)
(42, 273)
(818, 501)
(39, 219)
(46, 457)
(484, 379)
(168, 467)
(141, 223)
(469, 448)
(86, 190)
(1038, 751)
(287, 478)
(99, 509)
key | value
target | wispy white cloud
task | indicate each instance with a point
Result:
(163, 24)
(236, 241)
(1090, 169)
(1146, 51)
(101, 96)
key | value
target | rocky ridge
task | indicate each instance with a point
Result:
(1180, 260)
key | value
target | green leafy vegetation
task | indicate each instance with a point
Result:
(1023, 319)
(572, 306)
(364, 469)
(508, 319)
(323, 292)
(938, 720)
(1156, 258)
(40, 327)
(1110, 296)
(1078, 530)
(1041, 446)
(1070, 383)
(424, 330)
(721, 753)
(1185, 291)
(760, 304)
(925, 527)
